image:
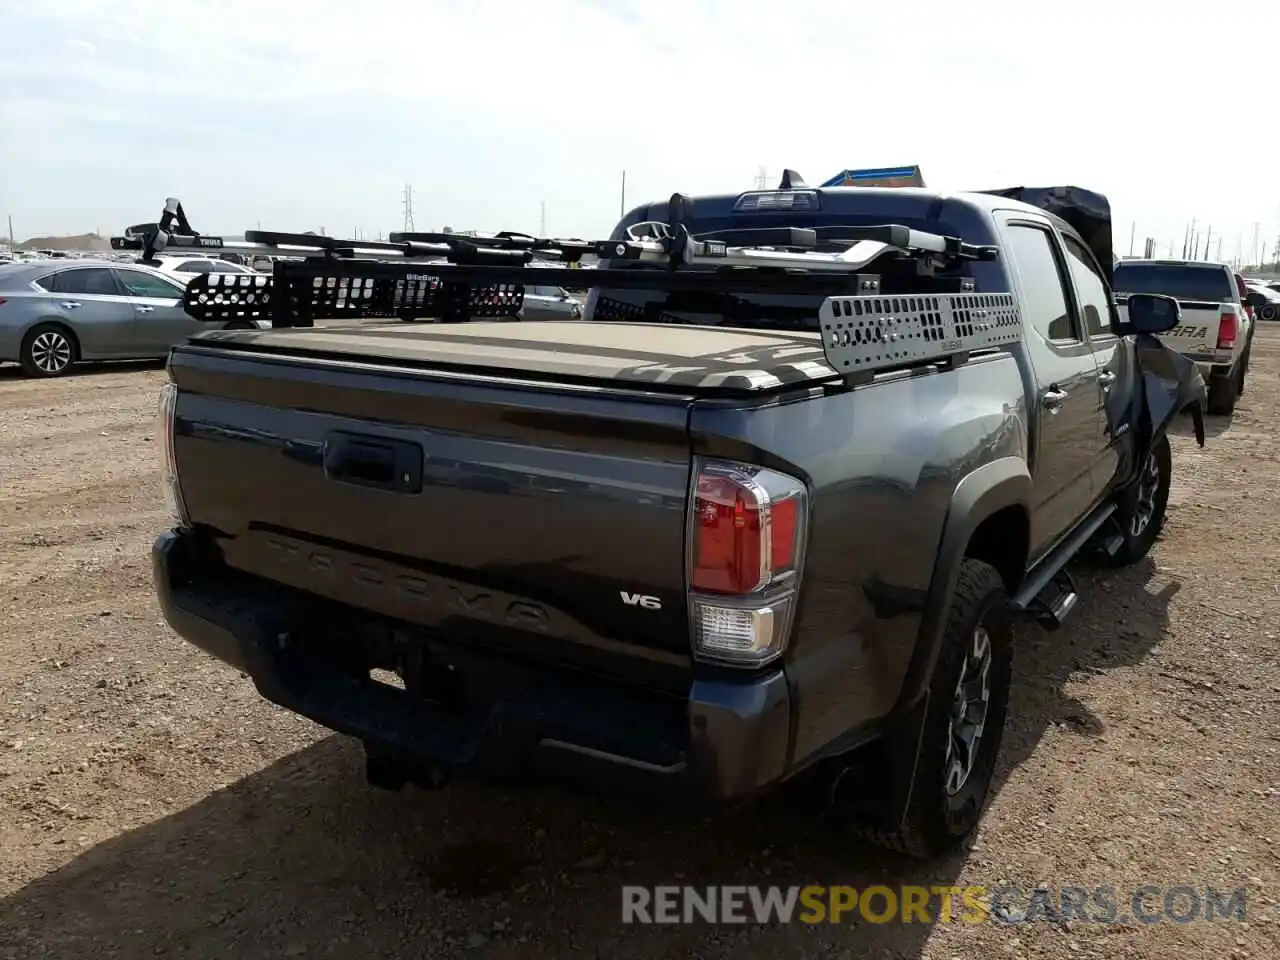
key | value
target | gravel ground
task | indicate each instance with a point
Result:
(152, 805)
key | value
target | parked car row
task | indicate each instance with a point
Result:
(56, 313)
(1264, 297)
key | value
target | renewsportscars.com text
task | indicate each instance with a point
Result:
(1145, 904)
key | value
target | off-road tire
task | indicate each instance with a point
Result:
(37, 344)
(935, 822)
(1224, 390)
(1138, 545)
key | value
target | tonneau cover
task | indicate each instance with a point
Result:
(712, 358)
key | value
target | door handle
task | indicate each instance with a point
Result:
(1106, 378)
(70, 304)
(145, 309)
(1053, 398)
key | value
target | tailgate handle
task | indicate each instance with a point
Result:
(377, 462)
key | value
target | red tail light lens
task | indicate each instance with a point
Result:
(747, 527)
(2, 301)
(745, 535)
(1228, 330)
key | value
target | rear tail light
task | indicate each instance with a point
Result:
(172, 491)
(747, 537)
(2, 301)
(1228, 329)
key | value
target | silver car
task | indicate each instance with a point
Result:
(55, 313)
(543, 302)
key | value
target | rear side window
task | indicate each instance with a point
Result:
(1181, 281)
(89, 281)
(195, 266)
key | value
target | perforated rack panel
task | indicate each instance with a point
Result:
(241, 296)
(863, 334)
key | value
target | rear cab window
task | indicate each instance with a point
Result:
(1208, 283)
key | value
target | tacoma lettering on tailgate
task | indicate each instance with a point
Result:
(343, 575)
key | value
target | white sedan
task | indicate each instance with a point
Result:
(184, 268)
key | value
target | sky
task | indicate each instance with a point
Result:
(314, 114)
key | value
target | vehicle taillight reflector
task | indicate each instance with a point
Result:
(172, 491)
(1228, 329)
(748, 531)
(744, 538)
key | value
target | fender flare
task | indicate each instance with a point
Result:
(1002, 483)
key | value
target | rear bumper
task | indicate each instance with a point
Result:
(727, 741)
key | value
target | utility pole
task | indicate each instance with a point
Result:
(1257, 257)
(622, 202)
(762, 178)
(1133, 225)
(542, 223)
(12, 248)
(1208, 240)
(408, 208)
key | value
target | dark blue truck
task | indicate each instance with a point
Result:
(774, 508)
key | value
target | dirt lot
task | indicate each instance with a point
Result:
(152, 805)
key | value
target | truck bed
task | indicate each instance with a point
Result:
(655, 356)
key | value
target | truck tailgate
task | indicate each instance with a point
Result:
(1196, 336)
(509, 515)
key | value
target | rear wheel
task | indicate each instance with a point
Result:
(1224, 390)
(48, 350)
(1142, 507)
(964, 720)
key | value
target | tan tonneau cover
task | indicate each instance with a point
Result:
(643, 353)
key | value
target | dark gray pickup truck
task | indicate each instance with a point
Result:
(772, 509)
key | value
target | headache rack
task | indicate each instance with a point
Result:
(935, 319)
